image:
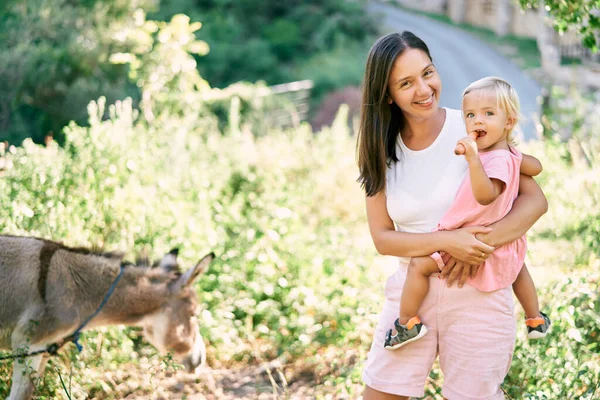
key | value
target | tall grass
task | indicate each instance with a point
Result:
(296, 278)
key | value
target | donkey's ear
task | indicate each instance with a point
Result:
(169, 261)
(191, 274)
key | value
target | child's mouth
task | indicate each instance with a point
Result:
(480, 133)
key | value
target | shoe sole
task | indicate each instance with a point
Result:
(540, 335)
(419, 336)
(537, 335)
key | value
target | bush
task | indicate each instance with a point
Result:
(55, 61)
(572, 170)
(566, 364)
(271, 37)
(342, 66)
(290, 265)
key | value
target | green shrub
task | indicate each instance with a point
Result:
(342, 66)
(290, 263)
(571, 179)
(566, 364)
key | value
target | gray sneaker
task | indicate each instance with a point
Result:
(404, 335)
(538, 328)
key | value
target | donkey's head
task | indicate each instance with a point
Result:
(174, 327)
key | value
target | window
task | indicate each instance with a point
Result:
(488, 7)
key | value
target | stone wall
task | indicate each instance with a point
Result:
(434, 6)
(481, 13)
(524, 23)
(505, 18)
(501, 16)
(456, 10)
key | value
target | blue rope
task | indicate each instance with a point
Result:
(75, 335)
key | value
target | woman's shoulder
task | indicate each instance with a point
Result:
(454, 116)
(454, 124)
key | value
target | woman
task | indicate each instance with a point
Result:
(411, 175)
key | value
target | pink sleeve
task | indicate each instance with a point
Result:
(516, 152)
(499, 167)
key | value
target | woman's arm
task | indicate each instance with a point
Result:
(485, 190)
(529, 206)
(530, 165)
(460, 243)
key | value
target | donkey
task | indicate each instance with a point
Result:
(47, 290)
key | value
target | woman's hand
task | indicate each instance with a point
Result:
(455, 269)
(465, 248)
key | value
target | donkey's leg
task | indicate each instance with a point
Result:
(25, 371)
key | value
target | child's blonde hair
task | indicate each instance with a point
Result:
(506, 97)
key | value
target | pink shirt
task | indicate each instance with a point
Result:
(502, 267)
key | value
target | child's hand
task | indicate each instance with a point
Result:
(467, 147)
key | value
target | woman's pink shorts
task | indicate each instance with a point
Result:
(473, 332)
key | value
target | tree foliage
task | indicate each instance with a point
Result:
(55, 59)
(583, 15)
(264, 40)
(58, 55)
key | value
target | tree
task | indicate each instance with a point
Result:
(583, 15)
(264, 40)
(55, 59)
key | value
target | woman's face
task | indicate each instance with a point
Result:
(415, 85)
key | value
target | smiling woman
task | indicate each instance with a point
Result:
(417, 90)
(411, 176)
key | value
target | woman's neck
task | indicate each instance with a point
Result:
(420, 133)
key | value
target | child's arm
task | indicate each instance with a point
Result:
(530, 165)
(485, 190)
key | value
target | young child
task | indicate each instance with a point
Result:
(490, 108)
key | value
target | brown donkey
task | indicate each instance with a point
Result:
(48, 290)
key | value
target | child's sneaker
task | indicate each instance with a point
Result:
(413, 330)
(537, 328)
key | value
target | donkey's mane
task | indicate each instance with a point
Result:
(78, 250)
(94, 252)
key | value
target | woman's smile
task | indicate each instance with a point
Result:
(414, 85)
(428, 102)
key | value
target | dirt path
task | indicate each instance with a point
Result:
(245, 383)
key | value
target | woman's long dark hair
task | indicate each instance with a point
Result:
(381, 122)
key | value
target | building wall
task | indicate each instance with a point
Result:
(525, 23)
(506, 18)
(435, 6)
(484, 13)
(481, 13)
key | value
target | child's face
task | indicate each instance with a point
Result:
(485, 120)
